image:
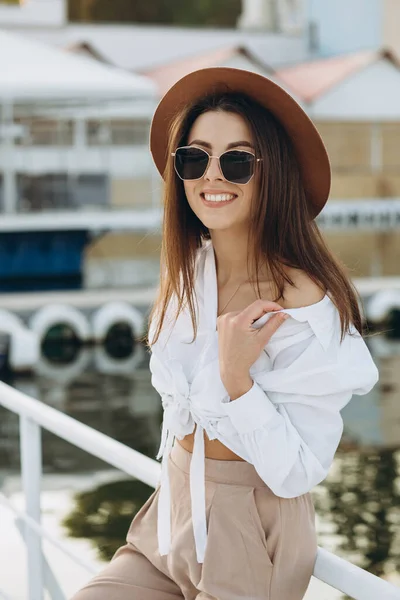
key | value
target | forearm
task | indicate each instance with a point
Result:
(291, 446)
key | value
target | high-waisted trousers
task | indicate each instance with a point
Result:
(259, 546)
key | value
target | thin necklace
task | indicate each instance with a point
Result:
(234, 293)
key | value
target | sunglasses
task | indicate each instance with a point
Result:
(237, 166)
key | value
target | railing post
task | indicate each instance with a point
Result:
(50, 581)
(31, 469)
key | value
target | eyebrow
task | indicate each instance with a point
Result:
(244, 143)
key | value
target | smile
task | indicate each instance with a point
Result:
(218, 198)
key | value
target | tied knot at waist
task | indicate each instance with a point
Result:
(186, 405)
(180, 417)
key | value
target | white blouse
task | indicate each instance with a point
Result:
(288, 425)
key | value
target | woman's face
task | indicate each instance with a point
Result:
(216, 132)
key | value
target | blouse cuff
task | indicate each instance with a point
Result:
(250, 411)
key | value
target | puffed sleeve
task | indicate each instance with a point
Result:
(289, 421)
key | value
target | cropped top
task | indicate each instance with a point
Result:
(288, 425)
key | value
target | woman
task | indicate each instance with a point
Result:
(256, 347)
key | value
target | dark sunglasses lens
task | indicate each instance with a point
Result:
(237, 166)
(190, 163)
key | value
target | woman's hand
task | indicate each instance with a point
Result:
(240, 344)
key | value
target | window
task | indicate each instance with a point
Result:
(118, 132)
(46, 132)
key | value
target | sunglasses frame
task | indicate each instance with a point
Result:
(256, 160)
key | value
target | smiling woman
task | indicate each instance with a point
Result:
(256, 347)
(266, 199)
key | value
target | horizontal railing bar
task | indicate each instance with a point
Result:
(352, 580)
(98, 444)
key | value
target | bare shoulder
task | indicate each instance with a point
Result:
(304, 292)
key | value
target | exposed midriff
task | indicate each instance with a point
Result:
(212, 448)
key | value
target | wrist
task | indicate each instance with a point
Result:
(237, 386)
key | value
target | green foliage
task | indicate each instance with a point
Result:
(202, 13)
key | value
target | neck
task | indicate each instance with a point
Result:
(230, 257)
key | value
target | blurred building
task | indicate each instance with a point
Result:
(341, 65)
(352, 98)
(339, 27)
(72, 131)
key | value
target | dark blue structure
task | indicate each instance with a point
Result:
(41, 260)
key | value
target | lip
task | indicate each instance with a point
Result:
(211, 204)
(217, 192)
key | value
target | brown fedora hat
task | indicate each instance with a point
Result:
(308, 145)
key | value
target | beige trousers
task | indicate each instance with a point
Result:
(260, 546)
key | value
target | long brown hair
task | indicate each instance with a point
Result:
(282, 230)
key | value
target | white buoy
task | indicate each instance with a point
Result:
(63, 373)
(379, 306)
(24, 349)
(60, 314)
(113, 313)
(104, 363)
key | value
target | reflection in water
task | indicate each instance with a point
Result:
(361, 500)
(358, 504)
(104, 514)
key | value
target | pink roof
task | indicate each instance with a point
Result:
(307, 81)
(312, 79)
(166, 75)
(86, 49)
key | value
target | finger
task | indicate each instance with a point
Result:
(257, 309)
(271, 326)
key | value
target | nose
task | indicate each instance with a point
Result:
(213, 170)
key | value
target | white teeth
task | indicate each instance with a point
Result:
(218, 197)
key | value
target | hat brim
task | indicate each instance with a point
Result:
(307, 143)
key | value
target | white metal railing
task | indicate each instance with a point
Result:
(34, 415)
